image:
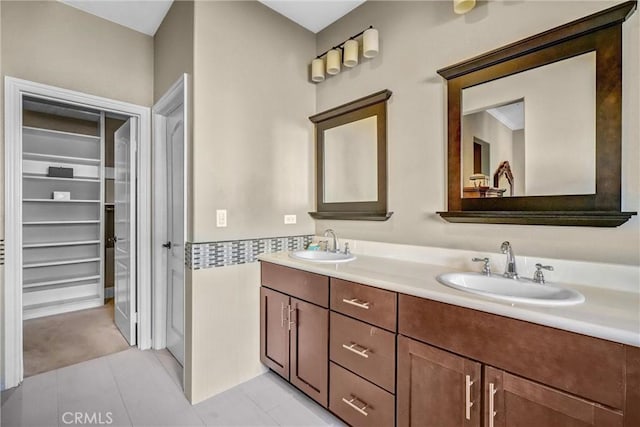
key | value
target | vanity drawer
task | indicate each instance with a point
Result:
(303, 285)
(359, 402)
(364, 349)
(375, 306)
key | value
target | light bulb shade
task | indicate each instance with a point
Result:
(463, 6)
(333, 62)
(350, 53)
(370, 43)
(317, 70)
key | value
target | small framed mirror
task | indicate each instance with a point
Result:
(351, 160)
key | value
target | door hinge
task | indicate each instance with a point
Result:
(135, 317)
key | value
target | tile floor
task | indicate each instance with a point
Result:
(142, 388)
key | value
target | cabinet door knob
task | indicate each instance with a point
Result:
(351, 403)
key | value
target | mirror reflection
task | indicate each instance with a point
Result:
(531, 133)
(350, 162)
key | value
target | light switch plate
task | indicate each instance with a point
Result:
(290, 219)
(221, 218)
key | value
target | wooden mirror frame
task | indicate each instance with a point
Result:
(600, 33)
(369, 106)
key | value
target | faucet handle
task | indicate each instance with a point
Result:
(347, 251)
(538, 276)
(486, 269)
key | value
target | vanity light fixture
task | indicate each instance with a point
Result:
(463, 6)
(370, 46)
(345, 53)
(317, 70)
(350, 53)
(333, 61)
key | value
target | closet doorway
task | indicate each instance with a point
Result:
(58, 258)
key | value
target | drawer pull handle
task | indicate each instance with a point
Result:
(351, 403)
(356, 302)
(282, 314)
(492, 411)
(468, 403)
(357, 349)
(290, 321)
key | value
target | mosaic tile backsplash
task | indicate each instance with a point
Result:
(233, 252)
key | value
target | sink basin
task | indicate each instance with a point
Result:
(322, 256)
(518, 291)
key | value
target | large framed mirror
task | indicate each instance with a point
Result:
(535, 128)
(351, 160)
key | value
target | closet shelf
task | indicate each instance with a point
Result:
(80, 221)
(69, 279)
(55, 178)
(60, 262)
(59, 159)
(55, 244)
(60, 201)
(62, 302)
(60, 132)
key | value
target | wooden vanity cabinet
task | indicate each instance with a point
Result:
(294, 333)
(378, 358)
(533, 375)
(515, 401)
(309, 354)
(436, 388)
(274, 331)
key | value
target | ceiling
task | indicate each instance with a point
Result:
(314, 15)
(511, 115)
(146, 16)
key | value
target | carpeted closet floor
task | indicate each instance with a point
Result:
(53, 342)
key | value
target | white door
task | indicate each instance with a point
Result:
(175, 232)
(125, 230)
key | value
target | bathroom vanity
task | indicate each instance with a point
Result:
(378, 342)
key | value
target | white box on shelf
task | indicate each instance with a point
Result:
(61, 195)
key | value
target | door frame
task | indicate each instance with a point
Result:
(177, 94)
(14, 90)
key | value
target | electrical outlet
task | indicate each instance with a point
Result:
(290, 219)
(221, 218)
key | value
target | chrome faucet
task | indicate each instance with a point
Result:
(336, 245)
(510, 270)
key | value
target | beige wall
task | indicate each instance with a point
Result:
(173, 47)
(418, 38)
(172, 57)
(49, 42)
(252, 155)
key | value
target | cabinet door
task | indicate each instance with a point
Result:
(310, 349)
(514, 401)
(274, 331)
(436, 388)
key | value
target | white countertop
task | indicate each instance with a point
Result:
(609, 314)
